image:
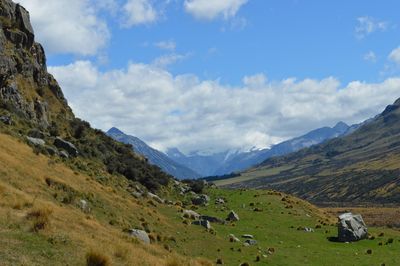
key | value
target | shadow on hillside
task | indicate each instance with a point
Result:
(333, 239)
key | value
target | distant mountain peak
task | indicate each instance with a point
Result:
(341, 126)
(114, 130)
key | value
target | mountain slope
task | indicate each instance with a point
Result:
(361, 167)
(205, 165)
(154, 156)
(246, 160)
(33, 108)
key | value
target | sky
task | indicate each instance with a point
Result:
(209, 76)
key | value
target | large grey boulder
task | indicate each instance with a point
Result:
(67, 146)
(351, 227)
(140, 234)
(201, 200)
(36, 141)
(233, 216)
(204, 223)
(191, 214)
(212, 219)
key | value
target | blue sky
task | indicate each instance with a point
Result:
(303, 39)
(227, 74)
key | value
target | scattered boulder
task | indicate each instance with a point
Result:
(67, 146)
(212, 219)
(233, 238)
(202, 200)
(5, 119)
(233, 216)
(219, 201)
(35, 133)
(308, 230)
(51, 150)
(191, 215)
(140, 234)
(251, 242)
(64, 154)
(84, 206)
(351, 228)
(204, 223)
(36, 141)
(137, 195)
(155, 197)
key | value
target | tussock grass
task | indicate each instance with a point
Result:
(40, 218)
(94, 258)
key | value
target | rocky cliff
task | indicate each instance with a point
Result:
(33, 108)
(26, 88)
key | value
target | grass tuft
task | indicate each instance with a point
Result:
(94, 258)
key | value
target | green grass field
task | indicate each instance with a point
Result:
(276, 227)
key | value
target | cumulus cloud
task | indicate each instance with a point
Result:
(368, 25)
(138, 12)
(68, 26)
(192, 114)
(166, 45)
(370, 57)
(395, 55)
(209, 10)
(168, 59)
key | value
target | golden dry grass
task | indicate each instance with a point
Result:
(25, 198)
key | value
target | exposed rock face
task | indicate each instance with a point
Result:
(24, 80)
(67, 146)
(351, 228)
(140, 234)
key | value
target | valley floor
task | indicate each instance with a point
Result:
(41, 222)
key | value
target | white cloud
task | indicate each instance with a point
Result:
(166, 45)
(168, 59)
(367, 25)
(68, 26)
(138, 12)
(255, 81)
(370, 57)
(186, 112)
(395, 55)
(209, 10)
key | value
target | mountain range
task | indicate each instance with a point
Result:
(357, 168)
(197, 165)
(154, 156)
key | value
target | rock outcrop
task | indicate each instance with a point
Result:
(24, 80)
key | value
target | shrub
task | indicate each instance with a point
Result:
(40, 218)
(94, 258)
(196, 186)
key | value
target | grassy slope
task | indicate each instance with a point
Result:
(71, 233)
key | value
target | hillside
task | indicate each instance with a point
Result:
(33, 108)
(154, 156)
(37, 190)
(363, 167)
